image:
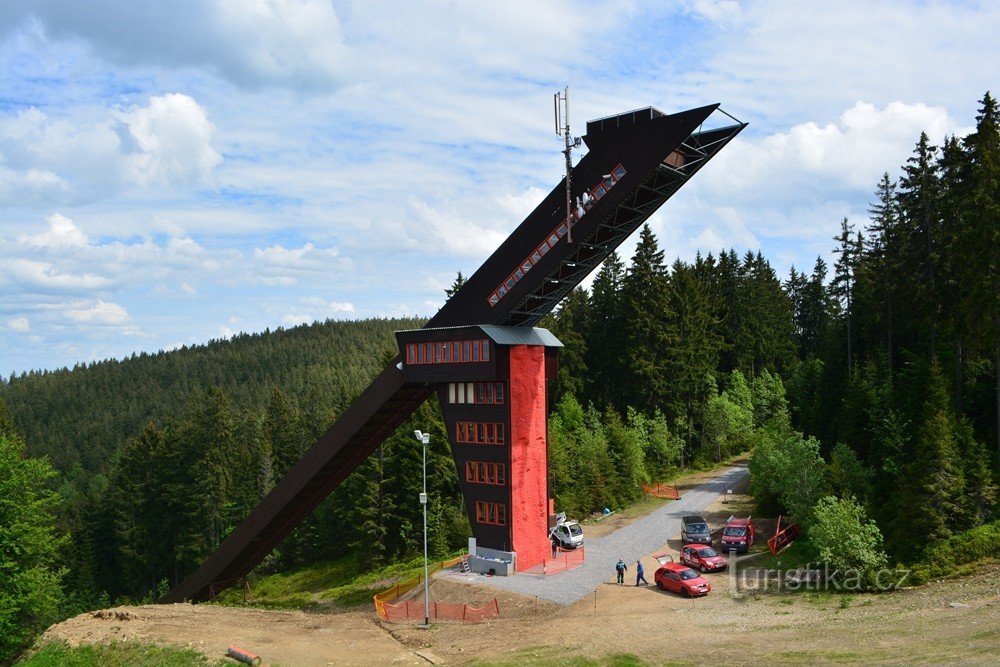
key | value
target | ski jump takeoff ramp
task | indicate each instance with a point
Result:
(635, 162)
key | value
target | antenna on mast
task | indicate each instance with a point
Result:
(561, 103)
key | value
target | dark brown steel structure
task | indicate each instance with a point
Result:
(636, 161)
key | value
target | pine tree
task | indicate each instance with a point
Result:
(606, 341)
(571, 326)
(455, 286)
(881, 255)
(694, 329)
(919, 199)
(982, 238)
(842, 287)
(930, 502)
(645, 313)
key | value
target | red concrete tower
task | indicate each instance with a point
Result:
(492, 383)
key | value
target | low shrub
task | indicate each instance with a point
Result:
(946, 558)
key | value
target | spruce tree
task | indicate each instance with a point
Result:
(919, 199)
(982, 238)
(607, 337)
(930, 501)
(645, 314)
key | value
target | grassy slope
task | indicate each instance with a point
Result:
(116, 654)
(331, 584)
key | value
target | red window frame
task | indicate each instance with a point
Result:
(479, 433)
(494, 514)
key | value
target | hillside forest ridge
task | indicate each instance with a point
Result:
(873, 382)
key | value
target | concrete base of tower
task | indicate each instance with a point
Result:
(493, 561)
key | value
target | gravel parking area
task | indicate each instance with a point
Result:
(640, 539)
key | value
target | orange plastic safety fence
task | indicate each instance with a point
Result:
(662, 491)
(387, 608)
(441, 611)
(566, 559)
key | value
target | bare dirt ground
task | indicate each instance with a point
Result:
(945, 622)
(953, 621)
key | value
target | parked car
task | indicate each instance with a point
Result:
(703, 558)
(694, 530)
(680, 579)
(737, 535)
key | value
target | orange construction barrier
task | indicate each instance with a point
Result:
(783, 537)
(413, 610)
(663, 491)
(388, 609)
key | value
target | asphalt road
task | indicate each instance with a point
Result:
(640, 538)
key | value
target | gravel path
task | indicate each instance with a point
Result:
(642, 537)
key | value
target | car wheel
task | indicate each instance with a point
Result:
(659, 584)
(685, 592)
(704, 569)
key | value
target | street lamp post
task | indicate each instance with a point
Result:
(425, 438)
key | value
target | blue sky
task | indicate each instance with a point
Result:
(175, 172)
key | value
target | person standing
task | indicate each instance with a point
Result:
(640, 573)
(620, 568)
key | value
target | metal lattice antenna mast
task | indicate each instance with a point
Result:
(561, 102)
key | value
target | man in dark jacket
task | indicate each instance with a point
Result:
(620, 568)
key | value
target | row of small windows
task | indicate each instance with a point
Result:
(479, 472)
(491, 513)
(450, 352)
(484, 393)
(479, 433)
(536, 255)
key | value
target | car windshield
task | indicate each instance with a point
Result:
(735, 532)
(575, 530)
(688, 574)
(708, 552)
(697, 527)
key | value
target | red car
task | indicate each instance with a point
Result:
(737, 535)
(702, 558)
(681, 579)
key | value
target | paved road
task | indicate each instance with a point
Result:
(640, 538)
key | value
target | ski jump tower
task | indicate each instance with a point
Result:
(483, 340)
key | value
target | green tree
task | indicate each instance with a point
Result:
(931, 500)
(848, 475)
(645, 313)
(980, 239)
(30, 575)
(845, 537)
(693, 328)
(605, 340)
(626, 456)
(571, 326)
(787, 473)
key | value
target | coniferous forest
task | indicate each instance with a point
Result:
(873, 380)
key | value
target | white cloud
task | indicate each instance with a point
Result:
(19, 324)
(171, 142)
(47, 278)
(776, 183)
(61, 232)
(102, 150)
(101, 313)
(341, 307)
(295, 319)
(251, 42)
